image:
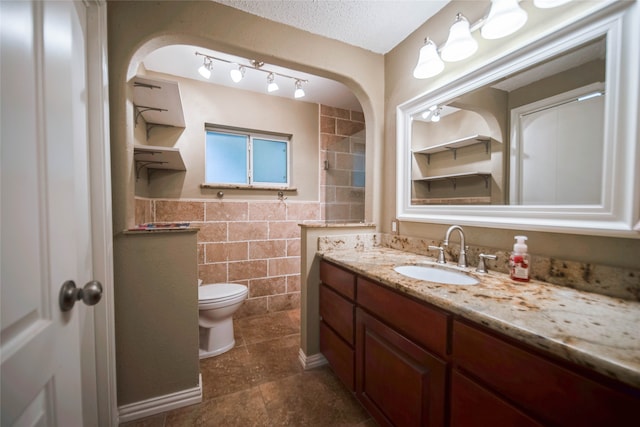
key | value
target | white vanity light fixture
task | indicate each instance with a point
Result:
(460, 44)
(429, 62)
(505, 17)
(205, 69)
(426, 115)
(435, 118)
(548, 4)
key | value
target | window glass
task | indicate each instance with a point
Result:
(226, 158)
(244, 157)
(269, 161)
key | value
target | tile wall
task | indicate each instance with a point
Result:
(255, 243)
(342, 145)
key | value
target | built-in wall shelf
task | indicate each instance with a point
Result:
(157, 158)
(454, 177)
(158, 102)
(455, 144)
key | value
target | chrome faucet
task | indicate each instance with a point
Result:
(462, 259)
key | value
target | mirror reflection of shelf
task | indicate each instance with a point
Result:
(157, 158)
(157, 102)
(455, 144)
(454, 178)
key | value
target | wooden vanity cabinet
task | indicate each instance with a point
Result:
(551, 392)
(400, 379)
(337, 312)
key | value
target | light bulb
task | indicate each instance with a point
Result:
(429, 63)
(436, 116)
(505, 17)
(237, 74)
(272, 86)
(299, 93)
(205, 69)
(460, 44)
(547, 4)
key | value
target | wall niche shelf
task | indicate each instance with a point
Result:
(454, 177)
(455, 144)
(157, 102)
(157, 158)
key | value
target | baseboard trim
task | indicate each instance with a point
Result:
(156, 405)
(310, 362)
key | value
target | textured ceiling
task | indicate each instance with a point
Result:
(375, 25)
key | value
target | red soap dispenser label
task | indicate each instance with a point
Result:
(519, 266)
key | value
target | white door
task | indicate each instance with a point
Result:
(45, 214)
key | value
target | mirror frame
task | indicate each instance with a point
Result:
(618, 214)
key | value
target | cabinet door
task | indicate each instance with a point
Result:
(473, 405)
(555, 394)
(339, 355)
(399, 383)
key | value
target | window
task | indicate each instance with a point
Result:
(246, 158)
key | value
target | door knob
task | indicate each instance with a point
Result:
(69, 294)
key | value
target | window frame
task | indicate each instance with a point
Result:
(251, 135)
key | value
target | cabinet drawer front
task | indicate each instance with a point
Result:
(473, 405)
(555, 394)
(427, 326)
(337, 312)
(341, 281)
(341, 357)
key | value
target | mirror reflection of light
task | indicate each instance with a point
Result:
(590, 95)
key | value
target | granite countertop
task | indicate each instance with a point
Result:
(595, 331)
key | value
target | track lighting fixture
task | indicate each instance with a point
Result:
(299, 93)
(237, 74)
(205, 69)
(272, 86)
(505, 17)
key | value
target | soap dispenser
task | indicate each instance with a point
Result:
(519, 260)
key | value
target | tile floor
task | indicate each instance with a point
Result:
(260, 382)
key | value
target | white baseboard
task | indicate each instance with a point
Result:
(313, 361)
(156, 405)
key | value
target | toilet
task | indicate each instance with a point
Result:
(216, 305)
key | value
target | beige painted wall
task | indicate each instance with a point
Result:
(220, 105)
(400, 87)
(138, 27)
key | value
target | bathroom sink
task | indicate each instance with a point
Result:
(436, 274)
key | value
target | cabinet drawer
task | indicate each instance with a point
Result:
(341, 357)
(337, 312)
(425, 325)
(553, 393)
(473, 405)
(340, 280)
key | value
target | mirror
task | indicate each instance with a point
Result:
(515, 140)
(530, 141)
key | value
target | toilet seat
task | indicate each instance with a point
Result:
(220, 292)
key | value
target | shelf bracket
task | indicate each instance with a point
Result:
(142, 108)
(143, 164)
(155, 125)
(146, 85)
(428, 158)
(486, 181)
(455, 152)
(486, 145)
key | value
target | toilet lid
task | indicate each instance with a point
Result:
(220, 291)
